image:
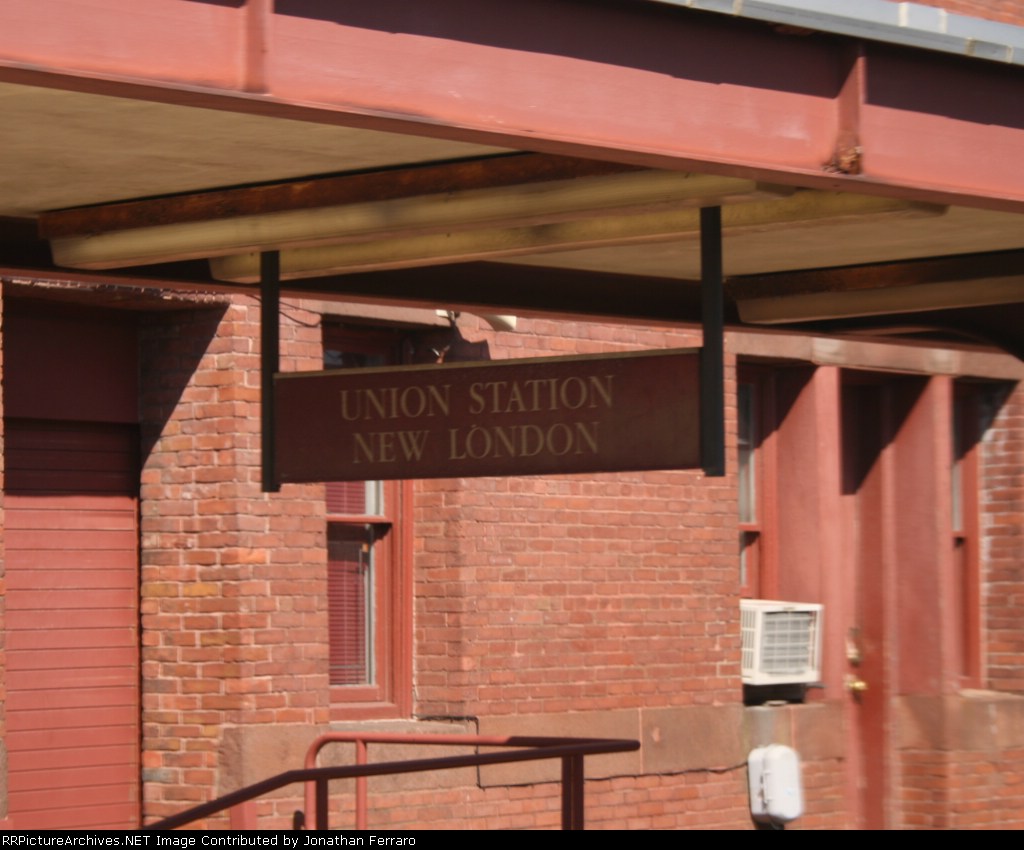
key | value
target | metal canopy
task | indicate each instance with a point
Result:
(888, 156)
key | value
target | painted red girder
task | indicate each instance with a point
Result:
(642, 83)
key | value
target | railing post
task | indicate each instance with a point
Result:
(572, 792)
(243, 816)
(361, 793)
(321, 804)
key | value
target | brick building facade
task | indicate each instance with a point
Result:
(171, 632)
(581, 605)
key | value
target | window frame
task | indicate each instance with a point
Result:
(965, 521)
(389, 695)
(759, 579)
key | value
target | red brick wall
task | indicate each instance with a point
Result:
(963, 790)
(233, 580)
(533, 595)
(546, 595)
(541, 597)
(697, 800)
(537, 600)
(967, 772)
(1002, 551)
(987, 790)
(606, 591)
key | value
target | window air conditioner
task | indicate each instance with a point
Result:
(781, 642)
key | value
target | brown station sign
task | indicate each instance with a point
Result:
(603, 413)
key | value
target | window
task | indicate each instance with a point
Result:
(352, 583)
(966, 428)
(369, 588)
(746, 472)
(754, 408)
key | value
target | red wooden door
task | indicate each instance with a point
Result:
(72, 625)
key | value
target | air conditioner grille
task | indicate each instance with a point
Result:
(786, 645)
(781, 642)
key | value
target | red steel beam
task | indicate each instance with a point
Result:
(640, 83)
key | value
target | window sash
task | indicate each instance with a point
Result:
(965, 433)
(350, 593)
(355, 498)
(746, 436)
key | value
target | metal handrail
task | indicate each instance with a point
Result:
(570, 750)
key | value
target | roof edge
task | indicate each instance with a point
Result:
(905, 24)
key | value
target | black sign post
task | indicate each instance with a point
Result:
(270, 333)
(712, 354)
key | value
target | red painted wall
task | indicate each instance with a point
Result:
(71, 365)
